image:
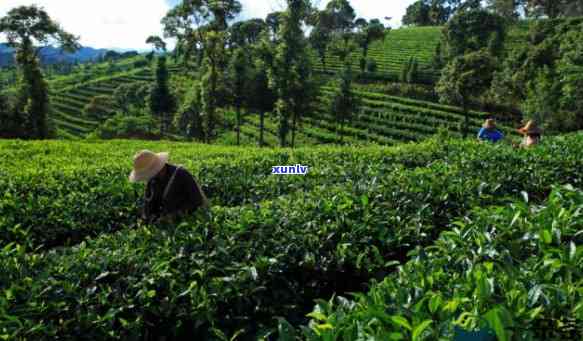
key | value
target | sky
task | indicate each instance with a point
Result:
(127, 23)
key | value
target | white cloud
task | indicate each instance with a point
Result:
(368, 9)
(127, 23)
(103, 23)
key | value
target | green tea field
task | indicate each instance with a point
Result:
(416, 241)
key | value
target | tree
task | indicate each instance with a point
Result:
(213, 91)
(131, 96)
(367, 33)
(98, 107)
(321, 35)
(261, 96)
(245, 33)
(344, 102)
(417, 14)
(467, 76)
(504, 8)
(431, 12)
(342, 15)
(10, 119)
(157, 43)
(190, 20)
(238, 72)
(290, 75)
(554, 8)
(189, 120)
(472, 30)
(273, 21)
(25, 27)
(161, 101)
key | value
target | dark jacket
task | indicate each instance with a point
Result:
(183, 195)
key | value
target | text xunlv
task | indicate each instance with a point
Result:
(290, 170)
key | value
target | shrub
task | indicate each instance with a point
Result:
(122, 126)
(98, 107)
(371, 65)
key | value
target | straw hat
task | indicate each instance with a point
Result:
(490, 123)
(530, 128)
(147, 164)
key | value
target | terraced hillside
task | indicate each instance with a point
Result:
(401, 44)
(391, 54)
(68, 103)
(379, 119)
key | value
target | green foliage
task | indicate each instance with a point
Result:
(466, 77)
(248, 32)
(129, 96)
(161, 101)
(543, 77)
(367, 33)
(24, 27)
(157, 43)
(472, 30)
(507, 9)
(371, 65)
(353, 217)
(99, 107)
(238, 81)
(512, 270)
(213, 82)
(344, 103)
(10, 119)
(189, 118)
(123, 126)
(33, 97)
(410, 71)
(290, 73)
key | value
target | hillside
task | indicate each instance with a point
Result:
(274, 244)
(391, 54)
(401, 44)
(379, 119)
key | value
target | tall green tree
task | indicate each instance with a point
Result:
(262, 97)
(344, 102)
(10, 119)
(467, 76)
(190, 20)
(248, 32)
(321, 34)
(472, 30)
(290, 76)
(25, 27)
(238, 81)
(161, 100)
(189, 120)
(434, 12)
(213, 90)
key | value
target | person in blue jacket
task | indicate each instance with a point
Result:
(488, 132)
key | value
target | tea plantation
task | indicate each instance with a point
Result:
(435, 238)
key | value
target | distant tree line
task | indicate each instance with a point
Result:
(438, 12)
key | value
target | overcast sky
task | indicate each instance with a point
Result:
(127, 23)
